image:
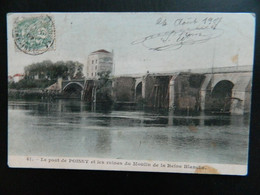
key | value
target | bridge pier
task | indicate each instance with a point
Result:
(204, 91)
(172, 93)
(241, 102)
(82, 95)
(156, 90)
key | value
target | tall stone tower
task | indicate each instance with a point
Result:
(99, 61)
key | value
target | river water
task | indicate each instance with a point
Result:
(70, 129)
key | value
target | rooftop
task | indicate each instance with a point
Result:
(18, 75)
(101, 51)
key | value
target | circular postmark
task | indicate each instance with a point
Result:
(34, 35)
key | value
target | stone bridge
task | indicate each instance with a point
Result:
(220, 90)
(225, 90)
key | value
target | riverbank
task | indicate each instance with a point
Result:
(31, 94)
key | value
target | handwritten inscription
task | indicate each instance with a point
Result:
(182, 31)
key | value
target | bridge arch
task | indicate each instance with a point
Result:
(71, 84)
(222, 88)
(221, 96)
(138, 90)
(73, 90)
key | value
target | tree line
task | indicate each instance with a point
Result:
(45, 73)
(52, 71)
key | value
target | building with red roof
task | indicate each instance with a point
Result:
(18, 77)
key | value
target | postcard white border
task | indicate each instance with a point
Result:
(124, 165)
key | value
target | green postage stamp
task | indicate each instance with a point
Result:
(34, 35)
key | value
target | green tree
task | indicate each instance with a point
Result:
(104, 87)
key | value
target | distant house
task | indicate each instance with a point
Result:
(99, 61)
(10, 79)
(18, 77)
(40, 76)
(36, 77)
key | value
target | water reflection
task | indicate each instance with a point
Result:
(71, 128)
(109, 117)
(217, 121)
(103, 142)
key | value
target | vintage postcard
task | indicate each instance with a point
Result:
(157, 92)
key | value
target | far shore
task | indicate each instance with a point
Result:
(35, 93)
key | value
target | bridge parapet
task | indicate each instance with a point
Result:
(225, 69)
(215, 70)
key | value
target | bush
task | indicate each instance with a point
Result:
(104, 87)
(29, 84)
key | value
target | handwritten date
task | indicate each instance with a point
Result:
(186, 31)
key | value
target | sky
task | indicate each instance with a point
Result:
(141, 42)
